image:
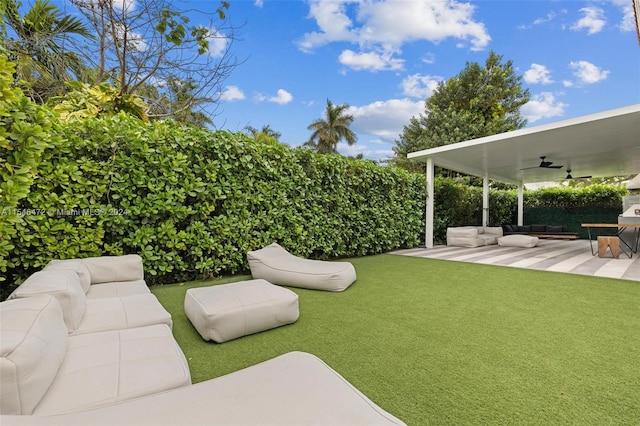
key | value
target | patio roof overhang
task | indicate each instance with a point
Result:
(599, 145)
(602, 144)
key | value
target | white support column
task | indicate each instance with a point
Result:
(485, 200)
(521, 204)
(428, 235)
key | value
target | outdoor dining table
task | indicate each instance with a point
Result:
(619, 229)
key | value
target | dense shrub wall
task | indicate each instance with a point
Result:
(193, 202)
(25, 132)
(572, 207)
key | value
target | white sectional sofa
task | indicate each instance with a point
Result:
(473, 236)
(51, 374)
(46, 371)
(106, 276)
(91, 298)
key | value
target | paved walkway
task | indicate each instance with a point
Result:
(573, 257)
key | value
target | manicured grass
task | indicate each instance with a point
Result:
(437, 342)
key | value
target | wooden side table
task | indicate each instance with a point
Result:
(613, 242)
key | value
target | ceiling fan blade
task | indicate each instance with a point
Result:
(553, 167)
(578, 177)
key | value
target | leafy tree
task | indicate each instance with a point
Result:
(151, 43)
(176, 99)
(38, 43)
(479, 101)
(327, 133)
(86, 101)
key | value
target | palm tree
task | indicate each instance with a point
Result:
(38, 44)
(327, 133)
(266, 132)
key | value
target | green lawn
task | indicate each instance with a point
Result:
(437, 342)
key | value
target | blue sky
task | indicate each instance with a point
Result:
(384, 58)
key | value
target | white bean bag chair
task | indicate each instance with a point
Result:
(278, 266)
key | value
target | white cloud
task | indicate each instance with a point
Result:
(282, 97)
(384, 26)
(258, 3)
(134, 40)
(593, 20)
(539, 21)
(628, 22)
(370, 61)
(385, 119)
(124, 5)
(543, 105)
(587, 72)
(429, 58)
(217, 43)
(333, 21)
(550, 17)
(365, 150)
(232, 93)
(537, 74)
(420, 86)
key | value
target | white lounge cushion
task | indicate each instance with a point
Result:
(494, 230)
(106, 368)
(107, 276)
(33, 343)
(488, 239)
(291, 390)
(106, 269)
(463, 232)
(75, 265)
(118, 289)
(276, 265)
(518, 241)
(228, 311)
(64, 285)
(119, 313)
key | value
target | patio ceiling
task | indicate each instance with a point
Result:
(599, 145)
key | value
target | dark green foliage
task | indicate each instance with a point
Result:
(572, 217)
(480, 101)
(592, 195)
(25, 133)
(192, 202)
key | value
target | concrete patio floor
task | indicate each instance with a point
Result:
(572, 257)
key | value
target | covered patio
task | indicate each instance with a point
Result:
(572, 257)
(595, 145)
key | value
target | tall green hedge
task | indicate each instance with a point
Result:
(25, 133)
(193, 202)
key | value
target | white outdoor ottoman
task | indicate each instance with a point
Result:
(228, 311)
(517, 241)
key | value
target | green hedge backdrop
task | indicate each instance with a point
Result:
(192, 202)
